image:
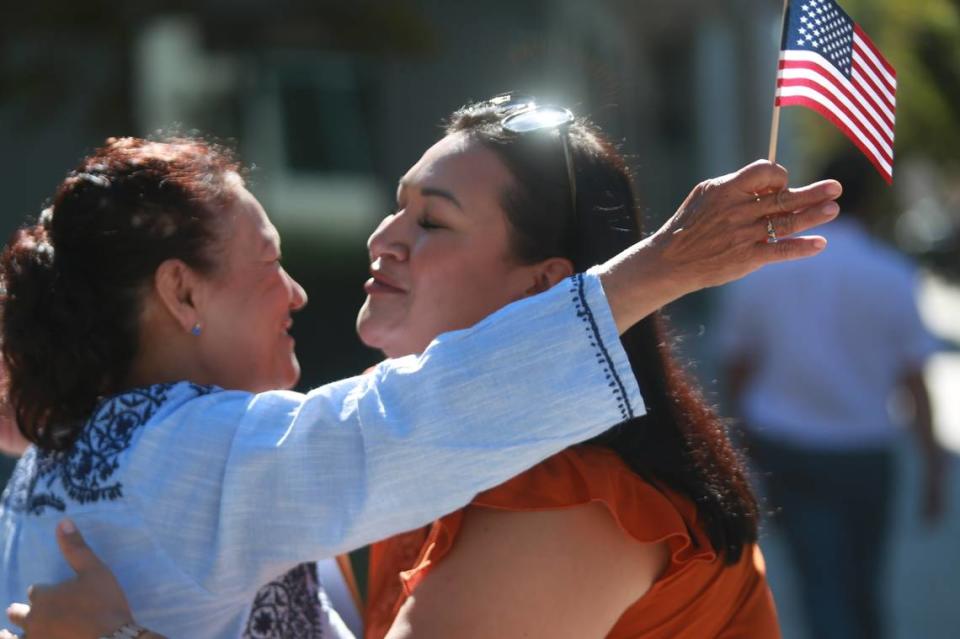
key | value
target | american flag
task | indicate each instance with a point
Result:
(828, 64)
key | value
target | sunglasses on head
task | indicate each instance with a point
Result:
(521, 115)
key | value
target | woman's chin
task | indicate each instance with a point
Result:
(371, 332)
(381, 341)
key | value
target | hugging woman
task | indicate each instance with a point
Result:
(259, 518)
(648, 530)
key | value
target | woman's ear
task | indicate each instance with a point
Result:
(176, 287)
(548, 273)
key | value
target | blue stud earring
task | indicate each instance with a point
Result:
(196, 330)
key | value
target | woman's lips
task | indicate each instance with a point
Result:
(381, 285)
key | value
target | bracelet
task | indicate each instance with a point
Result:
(127, 631)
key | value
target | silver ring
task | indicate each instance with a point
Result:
(771, 232)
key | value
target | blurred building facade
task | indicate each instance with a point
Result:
(333, 100)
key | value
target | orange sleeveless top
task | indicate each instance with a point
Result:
(697, 597)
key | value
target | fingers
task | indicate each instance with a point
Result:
(17, 613)
(761, 176)
(789, 200)
(792, 223)
(74, 549)
(806, 196)
(794, 248)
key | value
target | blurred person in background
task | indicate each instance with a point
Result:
(654, 517)
(814, 356)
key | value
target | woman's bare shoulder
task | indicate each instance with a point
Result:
(548, 573)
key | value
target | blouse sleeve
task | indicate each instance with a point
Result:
(237, 488)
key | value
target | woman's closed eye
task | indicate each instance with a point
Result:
(425, 220)
(428, 223)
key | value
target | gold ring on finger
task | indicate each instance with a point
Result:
(771, 232)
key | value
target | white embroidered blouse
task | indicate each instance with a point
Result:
(204, 502)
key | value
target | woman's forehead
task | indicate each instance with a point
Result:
(246, 222)
(460, 163)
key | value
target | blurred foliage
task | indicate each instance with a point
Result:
(921, 39)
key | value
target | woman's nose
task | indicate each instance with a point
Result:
(389, 239)
(298, 296)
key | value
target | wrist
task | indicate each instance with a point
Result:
(636, 283)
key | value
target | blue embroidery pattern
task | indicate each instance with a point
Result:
(585, 313)
(288, 608)
(84, 473)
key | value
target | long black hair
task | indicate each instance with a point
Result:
(680, 443)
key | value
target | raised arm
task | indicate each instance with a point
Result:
(363, 459)
(271, 480)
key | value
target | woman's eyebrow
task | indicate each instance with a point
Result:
(429, 191)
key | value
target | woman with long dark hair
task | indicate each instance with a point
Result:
(648, 530)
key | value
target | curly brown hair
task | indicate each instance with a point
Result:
(72, 283)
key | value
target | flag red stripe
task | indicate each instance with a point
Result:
(819, 108)
(860, 59)
(810, 84)
(865, 80)
(788, 93)
(860, 75)
(867, 41)
(855, 96)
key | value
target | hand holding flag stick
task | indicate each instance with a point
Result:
(830, 65)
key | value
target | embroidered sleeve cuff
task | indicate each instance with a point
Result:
(598, 320)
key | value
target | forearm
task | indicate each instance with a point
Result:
(366, 458)
(923, 419)
(427, 433)
(637, 283)
(511, 411)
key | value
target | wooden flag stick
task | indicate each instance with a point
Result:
(774, 132)
(775, 124)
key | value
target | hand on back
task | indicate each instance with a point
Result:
(90, 605)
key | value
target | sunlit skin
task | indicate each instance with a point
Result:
(247, 315)
(243, 310)
(442, 262)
